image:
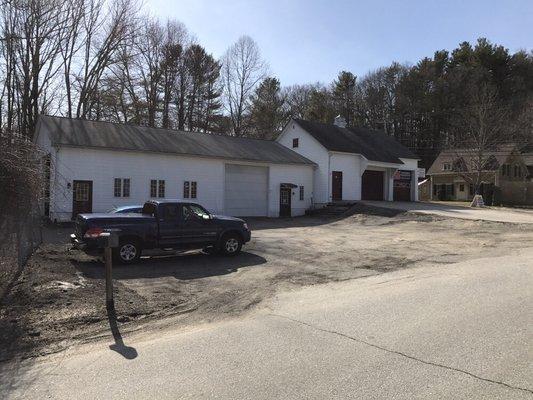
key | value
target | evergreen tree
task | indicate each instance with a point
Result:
(344, 95)
(267, 110)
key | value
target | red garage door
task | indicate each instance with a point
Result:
(402, 186)
(372, 185)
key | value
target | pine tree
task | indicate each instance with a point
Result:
(267, 111)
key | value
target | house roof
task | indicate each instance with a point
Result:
(499, 155)
(115, 136)
(374, 145)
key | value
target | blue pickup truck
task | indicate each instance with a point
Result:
(165, 225)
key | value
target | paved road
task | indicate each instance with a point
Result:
(456, 331)
(460, 211)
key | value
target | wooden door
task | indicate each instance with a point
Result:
(372, 185)
(285, 195)
(82, 197)
(336, 185)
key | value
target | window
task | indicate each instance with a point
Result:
(193, 211)
(122, 187)
(190, 190)
(126, 187)
(157, 188)
(301, 192)
(461, 187)
(295, 142)
(161, 189)
(446, 167)
(118, 187)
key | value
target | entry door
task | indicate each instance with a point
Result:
(285, 195)
(336, 185)
(372, 185)
(82, 197)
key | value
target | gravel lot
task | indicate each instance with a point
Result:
(59, 299)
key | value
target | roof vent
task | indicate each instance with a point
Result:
(339, 121)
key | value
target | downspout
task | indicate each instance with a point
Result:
(330, 194)
(54, 186)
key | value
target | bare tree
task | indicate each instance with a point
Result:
(31, 34)
(243, 68)
(103, 37)
(480, 129)
(69, 44)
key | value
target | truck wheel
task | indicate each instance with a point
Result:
(231, 244)
(128, 252)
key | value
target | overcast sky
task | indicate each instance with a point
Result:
(312, 40)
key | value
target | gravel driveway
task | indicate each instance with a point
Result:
(60, 297)
(460, 210)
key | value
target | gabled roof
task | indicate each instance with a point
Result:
(114, 136)
(374, 145)
(494, 159)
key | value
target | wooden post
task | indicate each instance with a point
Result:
(110, 302)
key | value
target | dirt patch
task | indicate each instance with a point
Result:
(59, 299)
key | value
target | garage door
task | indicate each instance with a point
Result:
(402, 186)
(372, 185)
(246, 191)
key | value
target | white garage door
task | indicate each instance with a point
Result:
(246, 191)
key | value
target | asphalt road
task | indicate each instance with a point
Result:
(496, 214)
(456, 332)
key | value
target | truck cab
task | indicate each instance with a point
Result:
(165, 225)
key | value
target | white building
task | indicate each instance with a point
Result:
(353, 163)
(95, 166)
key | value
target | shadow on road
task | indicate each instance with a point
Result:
(127, 352)
(181, 267)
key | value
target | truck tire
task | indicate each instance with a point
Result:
(128, 251)
(230, 244)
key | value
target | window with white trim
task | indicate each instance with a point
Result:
(122, 187)
(301, 192)
(190, 190)
(157, 188)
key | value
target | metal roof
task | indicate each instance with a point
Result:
(115, 136)
(374, 145)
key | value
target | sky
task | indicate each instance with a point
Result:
(311, 41)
